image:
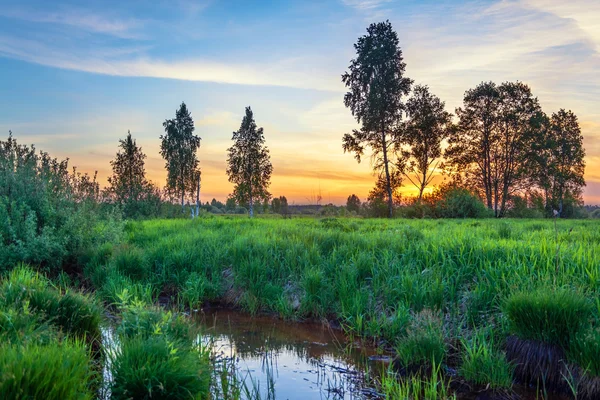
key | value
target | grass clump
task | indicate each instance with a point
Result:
(484, 365)
(71, 312)
(157, 357)
(51, 372)
(552, 316)
(155, 368)
(424, 343)
(416, 387)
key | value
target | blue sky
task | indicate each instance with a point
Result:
(75, 76)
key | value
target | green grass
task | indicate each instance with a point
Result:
(483, 364)
(424, 344)
(156, 368)
(548, 315)
(71, 312)
(50, 372)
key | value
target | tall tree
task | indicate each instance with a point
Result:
(178, 147)
(376, 84)
(427, 126)
(249, 164)
(128, 180)
(490, 145)
(558, 155)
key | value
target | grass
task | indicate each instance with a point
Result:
(422, 287)
(548, 315)
(51, 372)
(485, 365)
(156, 368)
(424, 344)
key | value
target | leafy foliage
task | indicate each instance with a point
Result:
(376, 84)
(49, 216)
(178, 147)
(249, 164)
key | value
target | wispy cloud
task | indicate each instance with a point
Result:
(90, 21)
(365, 4)
(272, 74)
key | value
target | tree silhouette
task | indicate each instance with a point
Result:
(353, 203)
(428, 125)
(376, 84)
(249, 164)
(558, 155)
(491, 143)
(178, 147)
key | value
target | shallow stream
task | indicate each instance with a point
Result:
(292, 361)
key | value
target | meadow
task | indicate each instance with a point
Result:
(479, 296)
(477, 304)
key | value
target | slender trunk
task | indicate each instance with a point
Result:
(198, 197)
(182, 190)
(387, 174)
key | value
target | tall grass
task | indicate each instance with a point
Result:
(50, 372)
(375, 277)
(547, 315)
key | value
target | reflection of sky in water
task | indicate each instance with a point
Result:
(302, 361)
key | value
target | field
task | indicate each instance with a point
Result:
(488, 303)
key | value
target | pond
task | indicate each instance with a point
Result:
(285, 360)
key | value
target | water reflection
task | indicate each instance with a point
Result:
(291, 361)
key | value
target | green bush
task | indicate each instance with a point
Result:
(49, 215)
(140, 321)
(548, 315)
(50, 372)
(461, 203)
(155, 368)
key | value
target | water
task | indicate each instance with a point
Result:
(290, 360)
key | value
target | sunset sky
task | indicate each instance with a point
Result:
(75, 76)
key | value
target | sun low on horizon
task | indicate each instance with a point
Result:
(77, 76)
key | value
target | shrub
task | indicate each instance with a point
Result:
(155, 368)
(51, 372)
(138, 320)
(49, 215)
(550, 316)
(483, 365)
(460, 203)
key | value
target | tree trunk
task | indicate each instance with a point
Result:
(198, 197)
(387, 175)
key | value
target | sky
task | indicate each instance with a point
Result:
(75, 76)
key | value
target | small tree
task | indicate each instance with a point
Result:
(178, 147)
(353, 203)
(249, 164)
(423, 133)
(376, 84)
(128, 181)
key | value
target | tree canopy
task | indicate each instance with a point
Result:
(249, 165)
(376, 84)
